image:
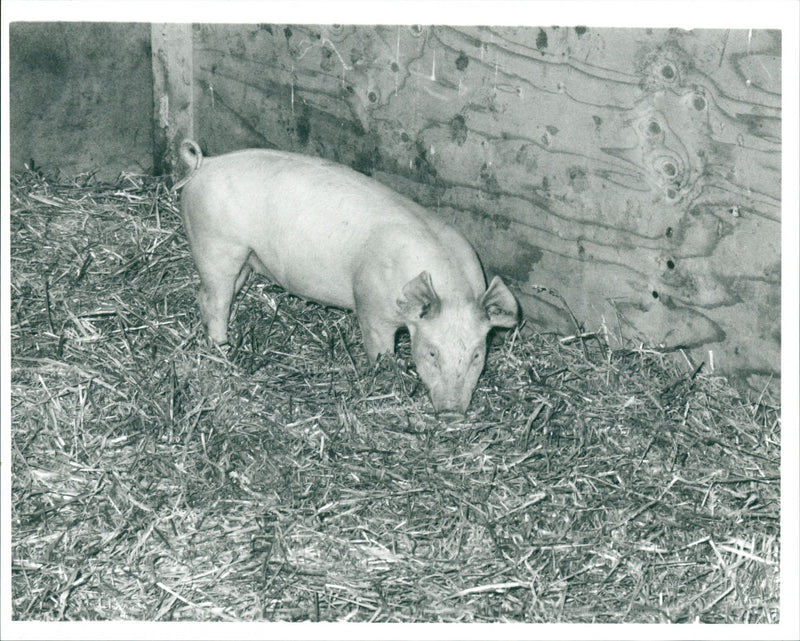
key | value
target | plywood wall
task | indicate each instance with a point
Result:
(635, 172)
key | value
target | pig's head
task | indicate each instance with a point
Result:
(448, 338)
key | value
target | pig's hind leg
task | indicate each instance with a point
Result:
(223, 270)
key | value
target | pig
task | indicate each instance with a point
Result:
(327, 233)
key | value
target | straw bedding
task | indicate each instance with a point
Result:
(156, 477)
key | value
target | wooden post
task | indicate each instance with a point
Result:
(173, 101)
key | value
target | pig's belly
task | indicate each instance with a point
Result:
(300, 274)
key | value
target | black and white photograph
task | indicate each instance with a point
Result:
(435, 320)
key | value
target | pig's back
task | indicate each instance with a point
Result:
(278, 185)
(312, 222)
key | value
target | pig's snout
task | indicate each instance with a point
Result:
(450, 404)
(450, 378)
(450, 416)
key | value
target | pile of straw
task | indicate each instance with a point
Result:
(158, 478)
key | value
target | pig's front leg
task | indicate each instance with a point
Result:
(378, 337)
(377, 330)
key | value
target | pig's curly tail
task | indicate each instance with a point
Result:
(192, 157)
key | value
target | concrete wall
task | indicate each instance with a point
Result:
(81, 97)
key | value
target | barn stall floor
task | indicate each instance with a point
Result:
(158, 478)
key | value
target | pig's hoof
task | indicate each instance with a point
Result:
(222, 348)
(382, 362)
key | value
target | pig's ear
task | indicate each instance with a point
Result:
(500, 305)
(419, 299)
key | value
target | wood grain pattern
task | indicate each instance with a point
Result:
(173, 104)
(636, 172)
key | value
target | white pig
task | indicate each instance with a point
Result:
(330, 234)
